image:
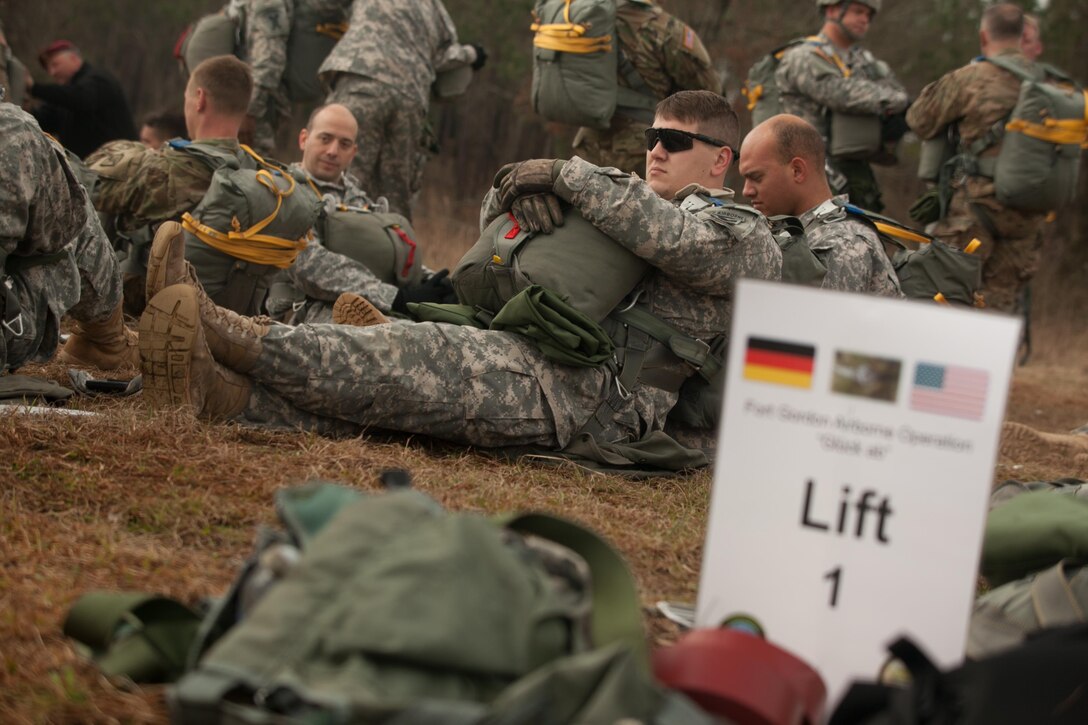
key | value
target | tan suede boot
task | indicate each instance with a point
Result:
(107, 345)
(233, 339)
(178, 368)
(166, 263)
(353, 309)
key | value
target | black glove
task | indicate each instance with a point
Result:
(538, 212)
(436, 288)
(526, 177)
(481, 57)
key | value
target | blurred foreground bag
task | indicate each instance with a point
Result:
(1043, 680)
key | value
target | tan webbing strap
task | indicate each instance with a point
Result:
(568, 37)
(1053, 599)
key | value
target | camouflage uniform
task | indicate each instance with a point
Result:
(669, 57)
(267, 27)
(45, 211)
(851, 251)
(382, 70)
(812, 85)
(320, 276)
(490, 388)
(974, 98)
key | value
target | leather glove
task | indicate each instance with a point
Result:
(436, 288)
(481, 57)
(526, 177)
(538, 212)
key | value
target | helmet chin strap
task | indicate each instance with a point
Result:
(850, 35)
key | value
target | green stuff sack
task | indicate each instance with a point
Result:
(1005, 616)
(583, 266)
(383, 242)
(249, 224)
(799, 264)
(1039, 160)
(761, 88)
(1033, 531)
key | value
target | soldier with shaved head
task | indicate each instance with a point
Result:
(782, 161)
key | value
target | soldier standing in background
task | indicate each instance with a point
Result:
(1031, 42)
(383, 69)
(974, 98)
(846, 93)
(660, 55)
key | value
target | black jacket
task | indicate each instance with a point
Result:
(85, 112)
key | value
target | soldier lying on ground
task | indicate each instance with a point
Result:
(782, 161)
(485, 387)
(54, 258)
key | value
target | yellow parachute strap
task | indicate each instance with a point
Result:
(250, 245)
(1057, 132)
(753, 96)
(333, 30)
(833, 58)
(973, 246)
(567, 37)
(901, 233)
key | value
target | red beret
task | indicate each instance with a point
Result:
(55, 47)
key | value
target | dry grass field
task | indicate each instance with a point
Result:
(129, 498)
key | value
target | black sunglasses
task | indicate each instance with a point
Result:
(673, 139)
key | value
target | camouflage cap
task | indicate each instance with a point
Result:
(874, 4)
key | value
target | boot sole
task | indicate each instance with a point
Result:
(156, 259)
(351, 309)
(168, 334)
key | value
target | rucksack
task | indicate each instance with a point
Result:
(367, 608)
(250, 223)
(933, 271)
(1041, 141)
(577, 62)
(761, 88)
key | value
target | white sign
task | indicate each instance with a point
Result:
(854, 467)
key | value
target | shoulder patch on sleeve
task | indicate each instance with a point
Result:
(689, 38)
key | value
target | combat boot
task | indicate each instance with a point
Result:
(233, 339)
(166, 263)
(178, 368)
(353, 309)
(107, 344)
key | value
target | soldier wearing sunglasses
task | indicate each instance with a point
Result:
(492, 387)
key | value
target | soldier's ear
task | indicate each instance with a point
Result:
(723, 161)
(798, 170)
(201, 99)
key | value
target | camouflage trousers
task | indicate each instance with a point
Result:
(391, 152)
(622, 146)
(85, 283)
(1011, 240)
(461, 384)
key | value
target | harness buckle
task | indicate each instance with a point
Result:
(13, 325)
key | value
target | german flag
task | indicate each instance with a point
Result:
(775, 361)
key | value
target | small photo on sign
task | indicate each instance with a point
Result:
(866, 376)
(779, 362)
(949, 390)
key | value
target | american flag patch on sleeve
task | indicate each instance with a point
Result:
(689, 38)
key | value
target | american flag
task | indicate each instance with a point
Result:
(949, 390)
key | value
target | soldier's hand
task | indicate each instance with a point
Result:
(436, 288)
(481, 57)
(526, 177)
(538, 212)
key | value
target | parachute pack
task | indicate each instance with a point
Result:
(314, 32)
(379, 607)
(1041, 141)
(761, 88)
(577, 62)
(383, 242)
(251, 222)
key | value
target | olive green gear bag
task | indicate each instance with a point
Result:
(1033, 531)
(250, 223)
(761, 88)
(1003, 617)
(800, 265)
(507, 259)
(211, 35)
(384, 243)
(315, 30)
(577, 63)
(1041, 141)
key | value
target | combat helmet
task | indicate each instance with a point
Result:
(874, 4)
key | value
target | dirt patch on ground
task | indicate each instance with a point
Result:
(135, 499)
